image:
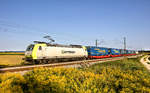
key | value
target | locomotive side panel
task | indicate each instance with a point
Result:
(62, 52)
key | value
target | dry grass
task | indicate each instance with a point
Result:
(11, 60)
(11, 53)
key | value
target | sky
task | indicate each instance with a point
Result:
(78, 22)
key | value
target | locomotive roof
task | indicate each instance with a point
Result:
(60, 45)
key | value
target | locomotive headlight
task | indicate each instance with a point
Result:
(28, 54)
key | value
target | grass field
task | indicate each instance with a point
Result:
(132, 64)
(10, 60)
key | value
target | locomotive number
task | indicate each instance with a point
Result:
(71, 52)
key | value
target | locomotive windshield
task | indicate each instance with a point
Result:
(30, 48)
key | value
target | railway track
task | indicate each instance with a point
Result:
(64, 64)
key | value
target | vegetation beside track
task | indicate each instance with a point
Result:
(132, 64)
(127, 76)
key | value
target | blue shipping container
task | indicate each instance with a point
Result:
(97, 51)
(114, 51)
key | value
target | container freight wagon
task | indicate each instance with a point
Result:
(133, 52)
(114, 52)
(97, 52)
(130, 52)
(122, 52)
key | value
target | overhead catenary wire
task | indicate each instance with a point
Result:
(13, 27)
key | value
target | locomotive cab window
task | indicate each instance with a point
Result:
(30, 48)
(40, 48)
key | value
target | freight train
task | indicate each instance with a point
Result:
(42, 52)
